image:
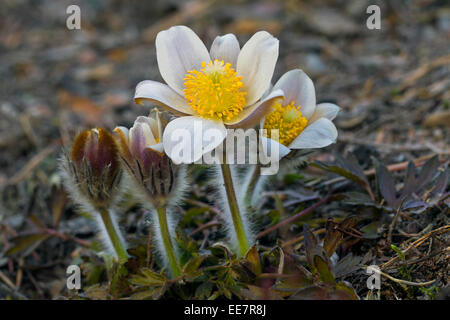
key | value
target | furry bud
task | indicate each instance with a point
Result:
(93, 168)
(142, 152)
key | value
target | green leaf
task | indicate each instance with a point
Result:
(191, 267)
(148, 278)
(204, 290)
(345, 292)
(291, 178)
(97, 292)
(188, 217)
(370, 231)
(323, 269)
(143, 295)
(24, 242)
(221, 250)
(398, 251)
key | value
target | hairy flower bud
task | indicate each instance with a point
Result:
(93, 168)
(143, 155)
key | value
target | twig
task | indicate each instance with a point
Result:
(14, 293)
(298, 239)
(205, 226)
(64, 236)
(28, 168)
(204, 205)
(7, 280)
(394, 221)
(417, 243)
(418, 73)
(400, 281)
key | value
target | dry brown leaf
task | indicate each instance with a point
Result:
(83, 106)
(437, 119)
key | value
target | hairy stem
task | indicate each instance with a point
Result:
(170, 252)
(234, 209)
(116, 241)
(252, 182)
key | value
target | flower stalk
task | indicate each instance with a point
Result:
(234, 209)
(113, 235)
(252, 181)
(167, 242)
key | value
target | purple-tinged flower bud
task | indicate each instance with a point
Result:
(142, 152)
(93, 169)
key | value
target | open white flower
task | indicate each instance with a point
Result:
(298, 121)
(219, 89)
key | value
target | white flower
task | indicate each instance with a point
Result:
(299, 122)
(219, 89)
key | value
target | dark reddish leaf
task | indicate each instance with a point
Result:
(427, 173)
(24, 242)
(310, 244)
(385, 184)
(340, 171)
(410, 180)
(332, 237)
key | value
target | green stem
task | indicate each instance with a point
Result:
(118, 245)
(164, 228)
(250, 187)
(234, 209)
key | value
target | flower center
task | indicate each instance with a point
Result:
(214, 92)
(288, 120)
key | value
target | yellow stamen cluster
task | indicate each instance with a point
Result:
(288, 120)
(214, 92)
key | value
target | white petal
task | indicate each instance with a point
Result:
(319, 134)
(162, 95)
(141, 130)
(158, 147)
(179, 50)
(225, 48)
(145, 120)
(186, 139)
(256, 63)
(158, 129)
(273, 149)
(324, 110)
(252, 114)
(298, 87)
